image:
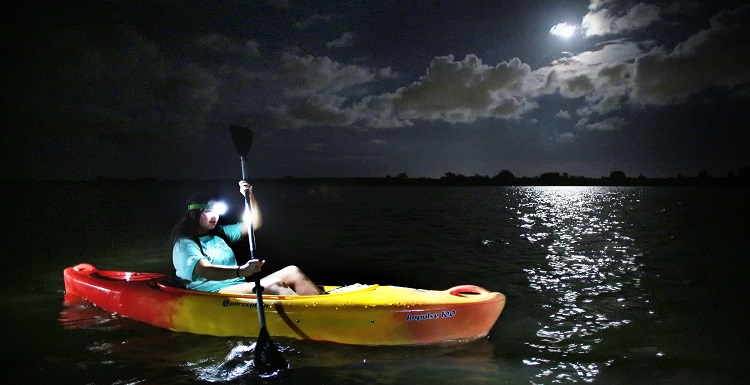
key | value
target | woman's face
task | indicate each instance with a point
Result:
(208, 220)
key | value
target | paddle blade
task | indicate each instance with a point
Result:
(242, 138)
(268, 358)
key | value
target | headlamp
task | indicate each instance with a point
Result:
(220, 208)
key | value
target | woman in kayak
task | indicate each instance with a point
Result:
(204, 261)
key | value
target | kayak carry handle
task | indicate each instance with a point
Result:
(84, 268)
(467, 290)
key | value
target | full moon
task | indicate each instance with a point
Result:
(563, 30)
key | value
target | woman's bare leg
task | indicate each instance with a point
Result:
(287, 281)
(294, 278)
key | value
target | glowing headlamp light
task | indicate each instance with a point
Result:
(220, 208)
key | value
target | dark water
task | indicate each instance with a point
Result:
(604, 284)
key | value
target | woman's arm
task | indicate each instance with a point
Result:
(205, 269)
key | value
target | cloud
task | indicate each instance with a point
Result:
(388, 73)
(640, 16)
(307, 90)
(321, 92)
(609, 124)
(716, 57)
(597, 23)
(600, 21)
(600, 77)
(131, 86)
(318, 91)
(566, 137)
(343, 41)
(252, 47)
(608, 103)
(576, 86)
(220, 44)
(596, 4)
(313, 20)
(308, 75)
(623, 72)
(605, 79)
(314, 110)
(378, 111)
(462, 92)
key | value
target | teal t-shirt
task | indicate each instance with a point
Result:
(186, 254)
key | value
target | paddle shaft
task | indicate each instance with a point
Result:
(251, 239)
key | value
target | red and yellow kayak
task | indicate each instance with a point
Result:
(361, 314)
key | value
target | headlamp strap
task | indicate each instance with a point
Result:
(199, 206)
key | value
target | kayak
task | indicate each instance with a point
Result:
(356, 314)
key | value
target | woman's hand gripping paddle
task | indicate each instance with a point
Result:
(268, 358)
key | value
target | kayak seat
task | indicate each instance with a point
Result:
(174, 281)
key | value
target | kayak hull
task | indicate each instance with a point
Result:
(366, 315)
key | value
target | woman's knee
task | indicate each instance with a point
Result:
(292, 272)
(278, 288)
(293, 269)
(272, 280)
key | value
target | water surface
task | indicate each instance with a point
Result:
(611, 285)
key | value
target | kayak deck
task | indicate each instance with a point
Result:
(357, 314)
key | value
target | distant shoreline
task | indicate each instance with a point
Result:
(505, 178)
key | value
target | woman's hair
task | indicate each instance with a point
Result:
(188, 226)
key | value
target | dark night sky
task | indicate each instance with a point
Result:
(147, 89)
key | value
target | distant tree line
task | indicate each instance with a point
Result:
(503, 178)
(506, 178)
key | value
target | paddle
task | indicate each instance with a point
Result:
(268, 358)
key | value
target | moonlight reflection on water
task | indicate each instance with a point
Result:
(591, 273)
